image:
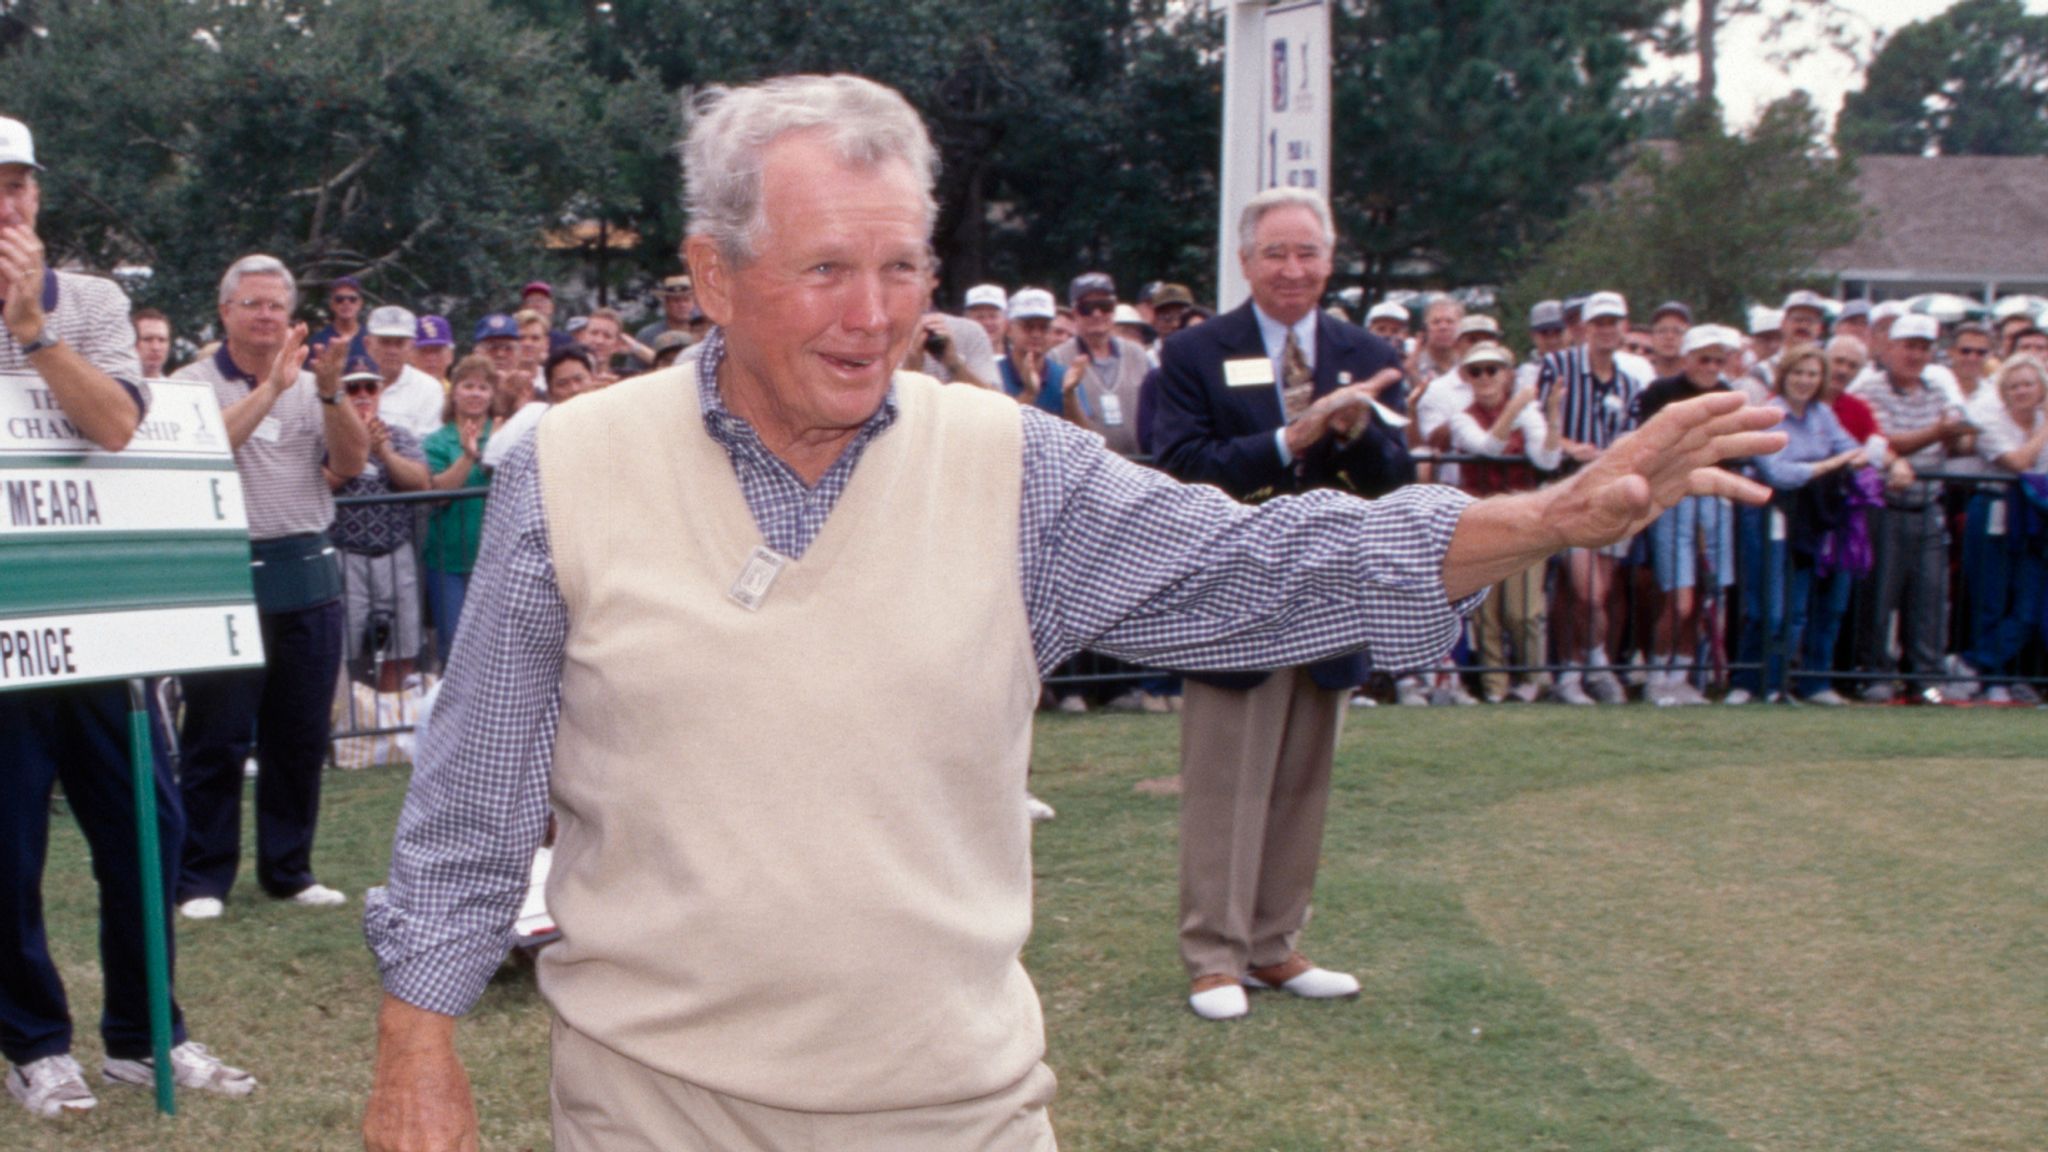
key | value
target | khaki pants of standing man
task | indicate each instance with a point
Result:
(1255, 781)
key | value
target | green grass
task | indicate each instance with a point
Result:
(1631, 929)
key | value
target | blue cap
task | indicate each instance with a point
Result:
(361, 368)
(496, 326)
(345, 282)
(433, 332)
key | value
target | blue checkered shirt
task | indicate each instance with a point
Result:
(1115, 558)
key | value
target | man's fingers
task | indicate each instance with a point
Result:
(1721, 482)
(1735, 446)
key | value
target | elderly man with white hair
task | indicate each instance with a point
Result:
(286, 424)
(765, 631)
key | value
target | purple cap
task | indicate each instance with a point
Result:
(496, 326)
(540, 286)
(433, 332)
(345, 282)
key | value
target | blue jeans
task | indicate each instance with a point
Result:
(1762, 561)
(1814, 607)
(446, 593)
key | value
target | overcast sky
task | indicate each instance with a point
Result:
(1749, 81)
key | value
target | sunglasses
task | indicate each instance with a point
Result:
(1484, 370)
(1959, 351)
(346, 299)
(1095, 308)
(358, 387)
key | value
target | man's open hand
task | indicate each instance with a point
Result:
(1661, 463)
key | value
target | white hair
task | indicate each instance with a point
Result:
(866, 123)
(258, 265)
(1255, 210)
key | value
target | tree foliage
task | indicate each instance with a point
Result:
(1715, 219)
(422, 147)
(1971, 81)
(1463, 128)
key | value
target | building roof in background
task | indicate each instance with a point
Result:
(1950, 216)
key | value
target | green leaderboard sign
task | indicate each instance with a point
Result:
(116, 565)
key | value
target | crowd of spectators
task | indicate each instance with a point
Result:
(1900, 553)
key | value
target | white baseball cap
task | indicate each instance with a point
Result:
(1388, 310)
(1805, 299)
(1915, 326)
(991, 295)
(16, 145)
(1763, 320)
(1478, 324)
(1125, 314)
(1889, 310)
(1032, 303)
(391, 320)
(1487, 354)
(1601, 304)
(1707, 336)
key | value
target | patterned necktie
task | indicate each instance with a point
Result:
(1298, 379)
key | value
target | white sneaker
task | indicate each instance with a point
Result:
(1998, 694)
(1525, 692)
(1361, 700)
(1132, 701)
(2023, 694)
(1037, 809)
(55, 1086)
(1827, 698)
(1073, 704)
(1737, 696)
(1878, 692)
(201, 908)
(1226, 1003)
(1603, 686)
(1962, 679)
(192, 1066)
(1571, 692)
(1408, 691)
(319, 896)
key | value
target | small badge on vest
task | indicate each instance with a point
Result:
(757, 577)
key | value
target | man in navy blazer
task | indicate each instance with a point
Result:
(1270, 399)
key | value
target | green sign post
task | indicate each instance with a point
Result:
(122, 566)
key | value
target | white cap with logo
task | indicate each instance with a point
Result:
(991, 295)
(1032, 304)
(1765, 320)
(1708, 336)
(1388, 310)
(1916, 326)
(16, 145)
(391, 320)
(1601, 304)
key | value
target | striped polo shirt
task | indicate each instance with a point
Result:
(282, 484)
(1596, 411)
(91, 315)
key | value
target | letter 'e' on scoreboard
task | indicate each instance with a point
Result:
(116, 565)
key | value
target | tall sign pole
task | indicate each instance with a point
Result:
(1276, 114)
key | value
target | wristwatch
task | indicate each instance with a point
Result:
(44, 339)
(331, 398)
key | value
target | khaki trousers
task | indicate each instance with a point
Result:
(1514, 614)
(1254, 785)
(604, 1102)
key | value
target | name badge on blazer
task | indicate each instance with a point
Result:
(1248, 373)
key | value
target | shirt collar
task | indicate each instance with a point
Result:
(731, 430)
(227, 367)
(1274, 333)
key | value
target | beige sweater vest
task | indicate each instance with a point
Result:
(793, 863)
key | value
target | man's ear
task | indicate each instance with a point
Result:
(711, 275)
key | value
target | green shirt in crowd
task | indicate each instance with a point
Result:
(457, 527)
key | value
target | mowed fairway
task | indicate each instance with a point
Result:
(1577, 929)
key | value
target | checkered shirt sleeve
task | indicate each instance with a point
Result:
(1115, 558)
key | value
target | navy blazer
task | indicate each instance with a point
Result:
(1207, 432)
